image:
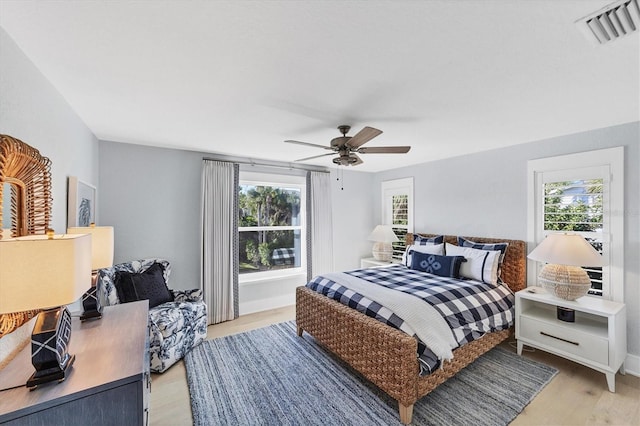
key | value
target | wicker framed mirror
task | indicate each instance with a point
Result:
(25, 194)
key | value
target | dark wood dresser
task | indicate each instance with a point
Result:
(108, 384)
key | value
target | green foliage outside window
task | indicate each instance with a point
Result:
(573, 206)
(265, 206)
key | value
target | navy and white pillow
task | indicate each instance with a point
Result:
(444, 266)
(425, 241)
(481, 265)
(427, 248)
(502, 247)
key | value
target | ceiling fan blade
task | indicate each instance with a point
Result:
(308, 144)
(315, 156)
(363, 136)
(359, 160)
(384, 150)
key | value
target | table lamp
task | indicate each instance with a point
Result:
(101, 257)
(383, 236)
(565, 254)
(45, 272)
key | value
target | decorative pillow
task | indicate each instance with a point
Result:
(424, 241)
(430, 249)
(481, 265)
(444, 266)
(502, 247)
(148, 285)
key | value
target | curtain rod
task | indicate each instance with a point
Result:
(289, 166)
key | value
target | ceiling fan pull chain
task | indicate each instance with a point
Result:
(340, 176)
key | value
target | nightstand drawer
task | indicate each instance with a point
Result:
(587, 346)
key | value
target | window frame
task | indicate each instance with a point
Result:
(281, 181)
(607, 164)
(389, 188)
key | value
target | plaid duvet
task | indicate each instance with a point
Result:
(470, 308)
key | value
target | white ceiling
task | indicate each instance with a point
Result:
(239, 77)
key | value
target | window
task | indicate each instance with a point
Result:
(577, 206)
(583, 194)
(397, 210)
(271, 225)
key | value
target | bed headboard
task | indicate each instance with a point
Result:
(514, 267)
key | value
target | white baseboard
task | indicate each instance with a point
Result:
(266, 304)
(632, 365)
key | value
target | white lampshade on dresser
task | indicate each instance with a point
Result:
(101, 244)
(101, 257)
(45, 272)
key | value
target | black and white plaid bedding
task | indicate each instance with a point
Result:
(470, 308)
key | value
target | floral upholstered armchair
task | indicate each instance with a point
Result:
(177, 318)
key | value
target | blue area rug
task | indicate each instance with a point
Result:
(270, 376)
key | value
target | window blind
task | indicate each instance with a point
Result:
(577, 206)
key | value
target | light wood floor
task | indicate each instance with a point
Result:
(576, 396)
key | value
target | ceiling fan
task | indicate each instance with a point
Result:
(347, 147)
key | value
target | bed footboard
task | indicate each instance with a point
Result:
(384, 355)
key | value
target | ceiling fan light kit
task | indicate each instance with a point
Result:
(347, 147)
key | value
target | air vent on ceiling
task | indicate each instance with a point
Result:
(612, 22)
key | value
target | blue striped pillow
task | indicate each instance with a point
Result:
(425, 241)
(502, 247)
(462, 242)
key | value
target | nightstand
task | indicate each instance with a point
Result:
(371, 262)
(597, 338)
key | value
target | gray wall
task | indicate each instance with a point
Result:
(32, 110)
(485, 194)
(152, 197)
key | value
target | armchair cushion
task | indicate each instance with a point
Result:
(187, 295)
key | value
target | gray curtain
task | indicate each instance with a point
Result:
(320, 228)
(219, 262)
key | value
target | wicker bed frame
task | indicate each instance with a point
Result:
(387, 356)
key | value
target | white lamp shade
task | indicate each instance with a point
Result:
(101, 244)
(383, 234)
(37, 272)
(566, 249)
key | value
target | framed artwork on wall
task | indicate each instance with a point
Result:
(81, 203)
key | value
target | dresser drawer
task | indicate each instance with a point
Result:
(564, 338)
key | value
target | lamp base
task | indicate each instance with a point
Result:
(91, 306)
(49, 375)
(382, 251)
(49, 346)
(565, 282)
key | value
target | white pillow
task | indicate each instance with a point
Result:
(481, 265)
(428, 249)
